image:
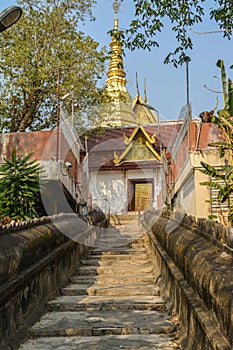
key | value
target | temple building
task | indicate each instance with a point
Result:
(136, 161)
(125, 151)
(130, 160)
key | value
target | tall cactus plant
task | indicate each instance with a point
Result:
(224, 174)
(227, 95)
(224, 118)
(230, 96)
(221, 65)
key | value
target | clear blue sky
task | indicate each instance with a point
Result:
(166, 85)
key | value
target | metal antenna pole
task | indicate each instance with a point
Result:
(187, 81)
(189, 118)
(187, 91)
(58, 110)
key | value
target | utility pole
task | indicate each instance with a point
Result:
(189, 113)
(58, 110)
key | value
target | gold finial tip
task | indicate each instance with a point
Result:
(116, 6)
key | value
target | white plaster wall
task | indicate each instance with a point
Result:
(112, 186)
(188, 203)
(203, 207)
(109, 186)
(194, 202)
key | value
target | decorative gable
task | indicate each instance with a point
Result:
(139, 147)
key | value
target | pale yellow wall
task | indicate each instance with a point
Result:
(202, 193)
(195, 203)
(210, 156)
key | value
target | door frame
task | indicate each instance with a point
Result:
(131, 185)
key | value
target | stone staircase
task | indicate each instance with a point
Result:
(112, 303)
(123, 219)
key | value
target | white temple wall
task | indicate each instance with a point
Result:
(112, 187)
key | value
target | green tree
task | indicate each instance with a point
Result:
(44, 42)
(19, 187)
(152, 16)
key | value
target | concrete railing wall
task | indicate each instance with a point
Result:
(195, 272)
(36, 260)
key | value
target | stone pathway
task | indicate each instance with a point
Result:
(112, 302)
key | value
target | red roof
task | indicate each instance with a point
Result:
(104, 143)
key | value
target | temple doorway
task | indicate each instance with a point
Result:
(140, 194)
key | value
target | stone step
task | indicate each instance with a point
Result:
(112, 270)
(118, 257)
(118, 250)
(126, 222)
(116, 218)
(117, 244)
(84, 323)
(132, 226)
(122, 229)
(113, 233)
(116, 279)
(114, 262)
(116, 342)
(123, 243)
(115, 236)
(124, 235)
(107, 303)
(111, 290)
(131, 231)
(113, 302)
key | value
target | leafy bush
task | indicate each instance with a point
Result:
(19, 187)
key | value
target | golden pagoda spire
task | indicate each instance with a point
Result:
(116, 81)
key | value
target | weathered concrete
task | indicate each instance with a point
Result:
(108, 304)
(130, 342)
(196, 279)
(112, 300)
(142, 302)
(84, 323)
(112, 289)
(35, 262)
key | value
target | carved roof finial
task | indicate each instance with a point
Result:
(137, 87)
(116, 8)
(145, 95)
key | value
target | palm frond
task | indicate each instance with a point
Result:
(211, 184)
(225, 145)
(212, 171)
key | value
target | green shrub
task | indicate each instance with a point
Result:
(19, 187)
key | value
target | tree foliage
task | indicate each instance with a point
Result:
(151, 16)
(19, 187)
(46, 40)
